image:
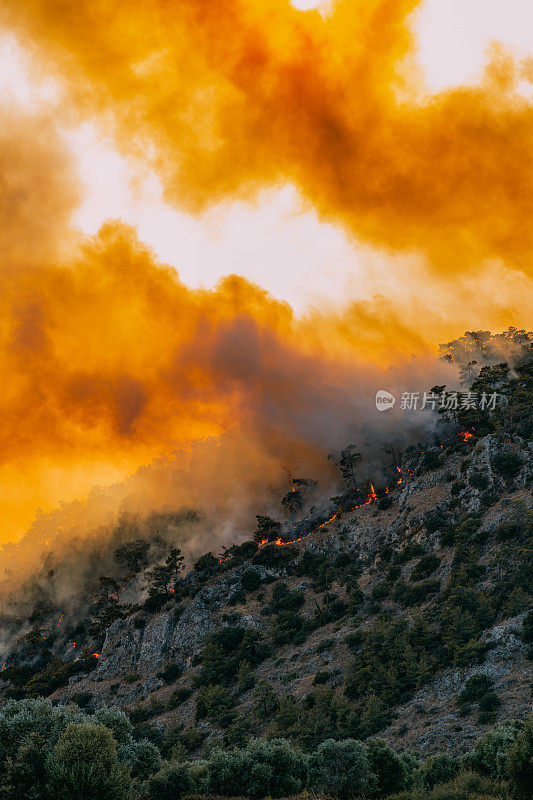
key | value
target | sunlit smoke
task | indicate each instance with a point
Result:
(109, 361)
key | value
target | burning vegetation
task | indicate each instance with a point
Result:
(144, 561)
(326, 620)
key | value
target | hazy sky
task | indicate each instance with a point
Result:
(259, 240)
(326, 155)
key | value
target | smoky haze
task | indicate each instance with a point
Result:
(109, 362)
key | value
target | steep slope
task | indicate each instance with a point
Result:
(373, 622)
(403, 612)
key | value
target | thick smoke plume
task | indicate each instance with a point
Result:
(109, 362)
(231, 96)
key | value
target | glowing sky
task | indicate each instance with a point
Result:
(453, 38)
(323, 152)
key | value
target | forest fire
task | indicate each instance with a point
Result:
(371, 497)
(279, 541)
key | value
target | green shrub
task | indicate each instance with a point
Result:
(216, 704)
(527, 628)
(465, 786)
(83, 700)
(225, 650)
(392, 660)
(184, 741)
(341, 769)
(321, 677)
(387, 766)
(393, 574)
(436, 521)
(179, 696)
(85, 765)
(52, 677)
(318, 716)
(208, 564)
(489, 756)
(409, 595)
(425, 567)
(171, 673)
(250, 580)
(131, 677)
(24, 776)
(285, 600)
(488, 706)
(172, 781)
(263, 768)
(380, 591)
(478, 481)
(508, 464)
(325, 644)
(385, 503)
(237, 554)
(268, 529)
(272, 555)
(478, 689)
(432, 460)
(520, 763)
(118, 723)
(410, 551)
(516, 524)
(436, 769)
(289, 627)
(236, 597)
(475, 688)
(199, 774)
(143, 758)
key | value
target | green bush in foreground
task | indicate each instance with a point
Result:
(84, 765)
(262, 768)
(341, 769)
(520, 763)
(62, 753)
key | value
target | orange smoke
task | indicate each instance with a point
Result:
(107, 360)
(229, 96)
(110, 361)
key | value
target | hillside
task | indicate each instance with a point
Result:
(405, 614)
(381, 606)
(374, 642)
